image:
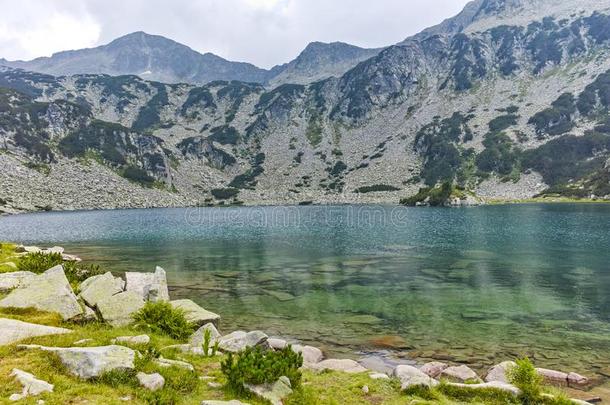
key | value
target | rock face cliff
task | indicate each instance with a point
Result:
(507, 100)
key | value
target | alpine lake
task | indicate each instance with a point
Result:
(473, 285)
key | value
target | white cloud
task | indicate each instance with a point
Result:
(31, 29)
(263, 32)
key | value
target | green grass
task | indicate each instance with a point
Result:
(7, 254)
(163, 318)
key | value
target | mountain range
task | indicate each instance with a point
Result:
(507, 100)
(153, 57)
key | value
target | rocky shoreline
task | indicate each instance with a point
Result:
(113, 301)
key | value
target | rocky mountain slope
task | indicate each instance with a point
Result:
(514, 109)
(153, 57)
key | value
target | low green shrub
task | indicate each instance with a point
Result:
(76, 272)
(256, 366)
(39, 262)
(180, 379)
(119, 377)
(163, 318)
(525, 377)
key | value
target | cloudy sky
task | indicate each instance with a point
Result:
(263, 32)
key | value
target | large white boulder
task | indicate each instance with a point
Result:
(89, 362)
(118, 310)
(150, 286)
(100, 288)
(49, 292)
(31, 385)
(12, 331)
(239, 340)
(9, 281)
(195, 314)
(410, 376)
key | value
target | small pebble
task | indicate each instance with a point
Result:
(214, 385)
(365, 389)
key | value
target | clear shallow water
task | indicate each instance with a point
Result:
(469, 285)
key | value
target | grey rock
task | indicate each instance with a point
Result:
(150, 286)
(274, 393)
(16, 397)
(410, 376)
(49, 291)
(89, 362)
(277, 344)
(195, 314)
(342, 365)
(13, 331)
(119, 309)
(9, 281)
(83, 342)
(197, 338)
(133, 340)
(492, 384)
(31, 385)
(379, 376)
(553, 377)
(365, 389)
(162, 362)
(499, 372)
(100, 288)
(311, 355)
(152, 382)
(576, 380)
(459, 374)
(239, 340)
(434, 368)
(233, 402)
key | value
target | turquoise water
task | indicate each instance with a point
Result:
(469, 285)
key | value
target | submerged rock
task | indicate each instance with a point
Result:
(49, 292)
(12, 331)
(31, 385)
(274, 393)
(152, 382)
(89, 362)
(499, 372)
(239, 340)
(410, 376)
(196, 314)
(150, 286)
(9, 281)
(118, 309)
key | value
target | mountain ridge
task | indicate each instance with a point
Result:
(465, 109)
